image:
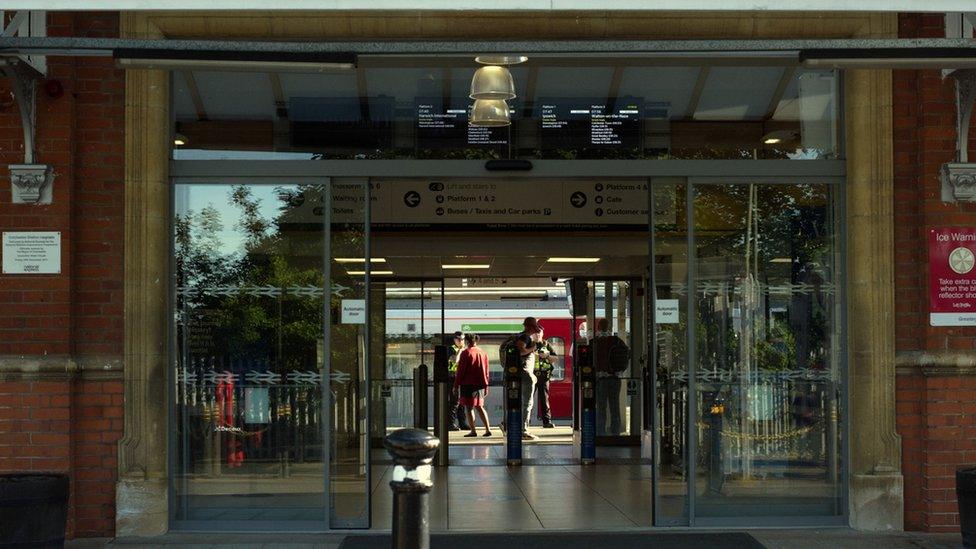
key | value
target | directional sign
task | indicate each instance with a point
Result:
(578, 199)
(412, 199)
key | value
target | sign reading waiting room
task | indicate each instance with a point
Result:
(33, 252)
(952, 276)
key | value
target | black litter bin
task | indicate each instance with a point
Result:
(966, 495)
(33, 509)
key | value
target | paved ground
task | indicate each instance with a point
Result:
(839, 538)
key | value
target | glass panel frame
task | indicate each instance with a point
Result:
(176, 503)
(697, 172)
(842, 453)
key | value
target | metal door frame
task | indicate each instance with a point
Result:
(695, 171)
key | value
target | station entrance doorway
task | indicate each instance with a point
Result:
(735, 419)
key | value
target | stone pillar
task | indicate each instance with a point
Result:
(876, 491)
(141, 492)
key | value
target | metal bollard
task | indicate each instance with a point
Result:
(412, 451)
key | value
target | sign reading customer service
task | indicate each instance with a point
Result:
(952, 277)
(544, 203)
(34, 252)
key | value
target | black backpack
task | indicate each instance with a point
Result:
(618, 357)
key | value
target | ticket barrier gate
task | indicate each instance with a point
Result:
(420, 377)
(584, 424)
(442, 395)
(512, 385)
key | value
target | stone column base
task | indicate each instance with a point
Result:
(141, 508)
(878, 502)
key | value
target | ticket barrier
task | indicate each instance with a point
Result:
(420, 377)
(584, 432)
(442, 397)
(512, 384)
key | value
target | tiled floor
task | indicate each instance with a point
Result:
(489, 497)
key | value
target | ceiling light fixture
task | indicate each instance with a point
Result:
(492, 82)
(490, 113)
(359, 260)
(363, 273)
(573, 260)
(500, 59)
(467, 266)
(781, 260)
(179, 139)
(780, 136)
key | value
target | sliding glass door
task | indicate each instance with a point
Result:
(749, 354)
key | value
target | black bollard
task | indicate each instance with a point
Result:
(412, 451)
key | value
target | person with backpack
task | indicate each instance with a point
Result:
(527, 345)
(612, 358)
(543, 374)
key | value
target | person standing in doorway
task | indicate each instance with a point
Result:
(455, 412)
(612, 358)
(543, 374)
(471, 383)
(529, 346)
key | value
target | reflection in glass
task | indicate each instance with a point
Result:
(670, 356)
(767, 369)
(348, 336)
(249, 324)
(603, 108)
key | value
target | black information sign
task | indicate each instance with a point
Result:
(591, 124)
(341, 123)
(439, 128)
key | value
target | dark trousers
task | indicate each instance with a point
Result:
(608, 405)
(542, 388)
(455, 412)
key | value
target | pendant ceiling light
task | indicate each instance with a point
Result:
(492, 82)
(500, 59)
(490, 113)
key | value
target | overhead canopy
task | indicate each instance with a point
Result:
(875, 53)
(508, 5)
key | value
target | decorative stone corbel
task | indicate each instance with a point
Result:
(959, 178)
(31, 183)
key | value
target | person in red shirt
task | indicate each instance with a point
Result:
(471, 382)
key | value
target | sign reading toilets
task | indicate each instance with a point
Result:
(952, 276)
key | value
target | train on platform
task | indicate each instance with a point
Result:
(409, 343)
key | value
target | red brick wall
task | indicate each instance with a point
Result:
(936, 409)
(56, 421)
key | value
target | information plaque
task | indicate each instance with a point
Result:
(34, 252)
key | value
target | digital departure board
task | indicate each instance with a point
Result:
(341, 123)
(440, 128)
(589, 123)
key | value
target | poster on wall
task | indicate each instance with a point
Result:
(952, 277)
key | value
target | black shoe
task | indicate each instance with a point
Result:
(487, 434)
(548, 425)
(471, 434)
(453, 428)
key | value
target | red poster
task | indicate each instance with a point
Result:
(952, 278)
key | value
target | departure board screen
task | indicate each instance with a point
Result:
(440, 128)
(576, 123)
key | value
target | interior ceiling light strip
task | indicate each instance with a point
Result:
(363, 273)
(471, 266)
(573, 260)
(359, 260)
